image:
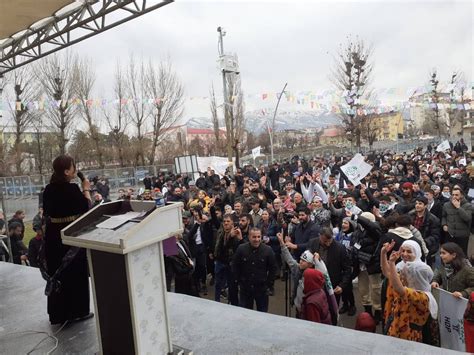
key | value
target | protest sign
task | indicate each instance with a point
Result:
(356, 169)
(443, 146)
(218, 164)
(451, 321)
(256, 152)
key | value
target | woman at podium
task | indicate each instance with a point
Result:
(65, 267)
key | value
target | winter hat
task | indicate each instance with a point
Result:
(368, 215)
(365, 323)
(407, 185)
(308, 257)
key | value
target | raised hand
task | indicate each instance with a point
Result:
(387, 247)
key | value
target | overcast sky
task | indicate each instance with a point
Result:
(291, 41)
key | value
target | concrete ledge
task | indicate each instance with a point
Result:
(203, 326)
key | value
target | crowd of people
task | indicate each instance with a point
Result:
(401, 232)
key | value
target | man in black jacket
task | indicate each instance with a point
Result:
(336, 259)
(227, 241)
(254, 267)
(428, 225)
(302, 233)
(200, 240)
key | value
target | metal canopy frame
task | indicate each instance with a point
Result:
(62, 30)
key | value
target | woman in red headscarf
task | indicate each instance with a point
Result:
(315, 307)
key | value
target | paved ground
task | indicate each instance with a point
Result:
(277, 304)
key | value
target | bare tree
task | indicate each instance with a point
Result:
(26, 91)
(351, 73)
(136, 83)
(117, 118)
(84, 84)
(56, 75)
(165, 89)
(457, 96)
(38, 144)
(434, 115)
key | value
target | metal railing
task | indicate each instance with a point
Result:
(28, 186)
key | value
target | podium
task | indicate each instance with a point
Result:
(125, 255)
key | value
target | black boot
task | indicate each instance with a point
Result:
(352, 311)
(377, 317)
(344, 309)
(368, 309)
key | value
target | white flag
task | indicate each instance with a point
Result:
(462, 161)
(443, 146)
(356, 169)
(256, 152)
(451, 321)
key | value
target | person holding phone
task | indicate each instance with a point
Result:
(456, 219)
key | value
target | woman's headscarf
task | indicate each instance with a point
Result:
(415, 248)
(418, 275)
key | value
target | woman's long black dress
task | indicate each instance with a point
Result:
(72, 301)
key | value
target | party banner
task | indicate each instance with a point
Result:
(356, 169)
(451, 321)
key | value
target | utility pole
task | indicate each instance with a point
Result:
(273, 120)
(228, 124)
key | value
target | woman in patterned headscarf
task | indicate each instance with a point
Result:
(409, 303)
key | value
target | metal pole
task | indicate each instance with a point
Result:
(224, 88)
(273, 120)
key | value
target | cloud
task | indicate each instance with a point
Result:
(294, 42)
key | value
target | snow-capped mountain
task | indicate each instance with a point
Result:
(285, 120)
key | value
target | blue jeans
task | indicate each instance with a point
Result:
(223, 277)
(249, 295)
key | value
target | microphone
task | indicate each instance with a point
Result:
(81, 176)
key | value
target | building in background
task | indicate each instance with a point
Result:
(388, 126)
(333, 135)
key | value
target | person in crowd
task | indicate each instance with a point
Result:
(67, 278)
(304, 231)
(428, 225)
(344, 236)
(455, 275)
(409, 301)
(434, 206)
(456, 219)
(254, 268)
(335, 258)
(19, 249)
(269, 229)
(229, 237)
(366, 262)
(256, 212)
(38, 219)
(200, 238)
(181, 267)
(315, 305)
(19, 217)
(35, 245)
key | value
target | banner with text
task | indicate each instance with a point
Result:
(451, 321)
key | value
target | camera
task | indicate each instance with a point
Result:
(288, 216)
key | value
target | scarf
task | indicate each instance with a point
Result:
(418, 275)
